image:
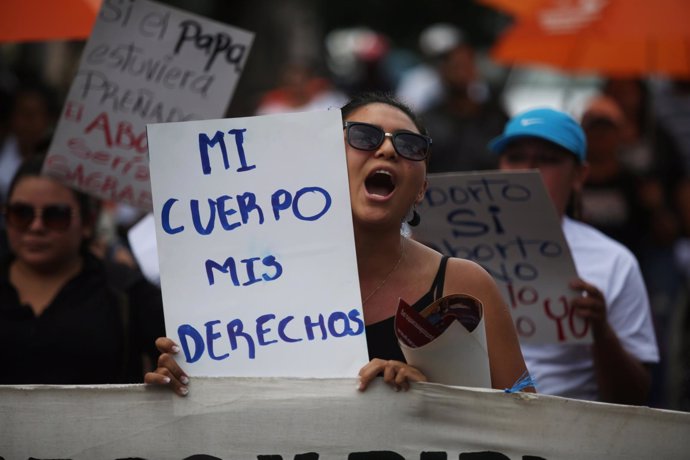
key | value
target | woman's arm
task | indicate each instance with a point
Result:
(505, 357)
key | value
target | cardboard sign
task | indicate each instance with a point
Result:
(256, 246)
(506, 222)
(327, 419)
(144, 63)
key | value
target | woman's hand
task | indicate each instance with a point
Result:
(395, 373)
(168, 372)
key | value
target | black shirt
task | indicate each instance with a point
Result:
(381, 339)
(96, 330)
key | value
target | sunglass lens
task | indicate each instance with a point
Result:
(365, 137)
(20, 216)
(411, 146)
(57, 217)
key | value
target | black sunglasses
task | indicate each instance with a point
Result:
(407, 144)
(55, 217)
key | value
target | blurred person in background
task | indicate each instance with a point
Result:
(27, 122)
(301, 89)
(32, 116)
(616, 201)
(646, 149)
(672, 109)
(465, 115)
(609, 200)
(612, 296)
(66, 316)
(421, 86)
(359, 59)
(650, 152)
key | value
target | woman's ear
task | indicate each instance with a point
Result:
(422, 192)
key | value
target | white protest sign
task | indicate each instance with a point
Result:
(144, 62)
(506, 222)
(256, 247)
(327, 419)
(142, 242)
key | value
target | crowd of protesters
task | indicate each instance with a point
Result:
(637, 192)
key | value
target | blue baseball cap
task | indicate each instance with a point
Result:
(544, 123)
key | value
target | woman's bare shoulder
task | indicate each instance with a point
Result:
(463, 268)
(468, 277)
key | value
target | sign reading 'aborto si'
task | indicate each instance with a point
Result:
(506, 222)
(256, 246)
(144, 63)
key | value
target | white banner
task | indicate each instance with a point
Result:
(506, 222)
(256, 246)
(144, 62)
(312, 419)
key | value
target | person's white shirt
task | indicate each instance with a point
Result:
(568, 370)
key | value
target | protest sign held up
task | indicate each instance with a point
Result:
(256, 247)
(144, 62)
(506, 222)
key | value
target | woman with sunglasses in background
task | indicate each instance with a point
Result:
(387, 153)
(65, 316)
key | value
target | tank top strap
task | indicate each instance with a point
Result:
(435, 290)
(437, 285)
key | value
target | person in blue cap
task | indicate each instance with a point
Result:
(615, 367)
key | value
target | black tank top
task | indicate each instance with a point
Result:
(381, 340)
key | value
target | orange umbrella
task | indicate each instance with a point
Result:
(612, 37)
(37, 20)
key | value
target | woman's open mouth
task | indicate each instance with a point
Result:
(380, 183)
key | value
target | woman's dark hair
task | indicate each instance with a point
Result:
(363, 99)
(31, 167)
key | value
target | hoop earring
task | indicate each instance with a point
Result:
(415, 219)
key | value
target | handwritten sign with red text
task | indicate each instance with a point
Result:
(144, 63)
(506, 222)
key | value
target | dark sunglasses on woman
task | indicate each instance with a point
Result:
(55, 217)
(407, 144)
